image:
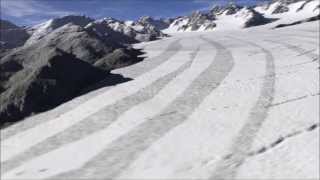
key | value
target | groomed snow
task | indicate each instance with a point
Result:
(236, 104)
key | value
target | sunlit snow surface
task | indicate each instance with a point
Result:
(225, 104)
(298, 11)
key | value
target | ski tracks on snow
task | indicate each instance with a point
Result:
(132, 71)
(188, 90)
(121, 153)
(97, 121)
(27, 139)
(228, 166)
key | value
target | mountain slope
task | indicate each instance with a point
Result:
(232, 16)
(209, 105)
(41, 30)
(11, 36)
(136, 31)
(65, 61)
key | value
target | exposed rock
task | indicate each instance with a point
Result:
(133, 30)
(11, 36)
(253, 18)
(315, 18)
(41, 30)
(56, 68)
(159, 24)
(232, 9)
(54, 77)
(217, 10)
(4, 24)
(119, 58)
(203, 21)
(196, 21)
(280, 9)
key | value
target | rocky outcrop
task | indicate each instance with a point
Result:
(48, 79)
(200, 20)
(315, 18)
(56, 68)
(41, 30)
(231, 9)
(159, 24)
(252, 17)
(11, 36)
(203, 21)
(197, 21)
(134, 31)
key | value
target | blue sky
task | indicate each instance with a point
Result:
(29, 12)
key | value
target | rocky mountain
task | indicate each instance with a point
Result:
(232, 16)
(277, 7)
(159, 24)
(11, 36)
(194, 22)
(41, 30)
(218, 16)
(47, 64)
(290, 11)
(57, 67)
(139, 31)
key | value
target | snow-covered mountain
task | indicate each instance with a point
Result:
(57, 66)
(219, 17)
(230, 104)
(145, 29)
(233, 16)
(104, 43)
(210, 105)
(194, 22)
(159, 24)
(40, 30)
(139, 31)
(287, 11)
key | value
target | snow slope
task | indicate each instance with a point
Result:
(233, 17)
(226, 104)
(296, 11)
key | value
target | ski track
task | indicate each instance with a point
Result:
(132, 71)
(95, 122)
(126, 122)
(26, 139)
(299, 50)
(229, 165)
(124, 151)
(167, 90)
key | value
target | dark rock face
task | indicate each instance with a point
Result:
(74, 39)
(256, 19)
(232, 9)
(280, 9)
(159, 24)
(4, 24)
(54, 78)
(11, 36)
(119, 58)
(315, 18)
(196, 20)
(56, 68)
(217, 10)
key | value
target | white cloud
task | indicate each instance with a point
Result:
(21, 8)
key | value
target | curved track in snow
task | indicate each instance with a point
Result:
(220, 105)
